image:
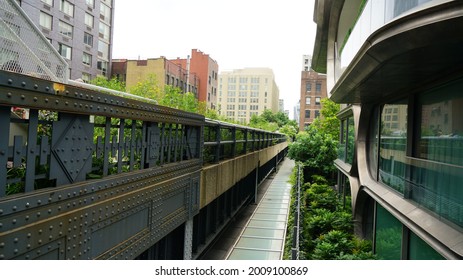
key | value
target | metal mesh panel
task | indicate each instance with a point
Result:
(24, 49)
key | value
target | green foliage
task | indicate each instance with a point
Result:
(330, 245)
(326, 228)
(113, 83)
(315, 149)
(148, 88)
(329, 122)
(274, 122)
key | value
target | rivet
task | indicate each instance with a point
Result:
(36, 86)
(47, 88)
(10, 81)
(22, 96)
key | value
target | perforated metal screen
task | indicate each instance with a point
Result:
(24, 49)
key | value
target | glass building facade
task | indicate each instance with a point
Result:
(401, 140)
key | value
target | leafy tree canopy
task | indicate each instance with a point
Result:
(329, 122)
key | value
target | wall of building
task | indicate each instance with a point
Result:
(245, 92)
(313, 89)
(141, 70)
(100, 61)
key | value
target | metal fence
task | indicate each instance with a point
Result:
(24, 49)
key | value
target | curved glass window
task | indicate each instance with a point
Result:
(388, 235)
(431, 173)
(346, 145)
(420, 250)
(392, 145)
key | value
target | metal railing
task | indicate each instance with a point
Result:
(224, 140)
(297, 216)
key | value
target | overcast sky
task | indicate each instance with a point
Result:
(235, 33)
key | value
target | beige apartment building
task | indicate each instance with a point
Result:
(246, 92)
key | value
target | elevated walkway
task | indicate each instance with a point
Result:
(263, 236)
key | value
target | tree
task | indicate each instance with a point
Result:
(316, 150)
(148, 88)
(113, 83)
(329, 122)
(274, 122)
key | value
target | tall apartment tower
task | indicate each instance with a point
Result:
(206, 69)
(313, 89)
(81, 31)
(247, 92)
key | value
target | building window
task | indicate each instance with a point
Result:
(67, 8)
(48, 2)
(102, 66)
(65, 51)
(265, 95)
(243, 94)
(420, 250)
(318, 87)
(86, 77)
(308, 87)
(105, 13)
(317, 100)
(393, 143)
(90, 3)
(231, 93)
(254, 87)
(242, 107)
(87, 59)
(242, 100)
(104, 31)
(103, 49)
(388, 241)
(46, 20)
(88, 39)
(230, 107)
(307, 114)
(231, 80)
(65, 29)
(89, 20)
(255, 80)
(307, 101)
(317, 113)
